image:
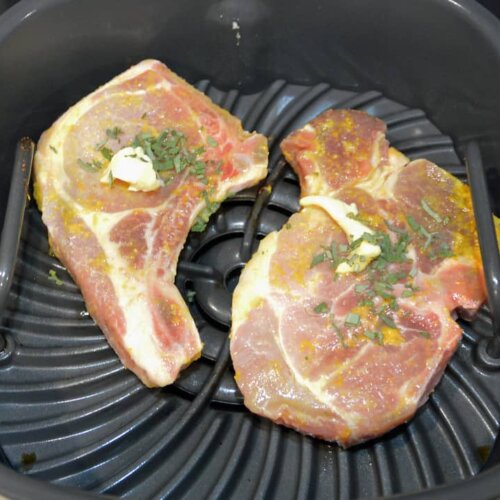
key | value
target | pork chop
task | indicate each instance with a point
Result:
(121, 247)
(348, 356)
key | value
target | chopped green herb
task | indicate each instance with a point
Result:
(367, 303)
(406, 293)
(413, 272)
(321, 308)
(420, 230)
(93, 166)
(318, 259)
(203, 217)
(444, 251)
(288, 226)
(53, 148)
(383, 290)
(198, 169)
(426, 335)
(393, 278)
(144, 115)
(393, 304)
(110, 178)
(394, 228)
(212, 142)
(431, 212)
(339, 333)
(114, 133)
(380, 264)
(361, 288)
(190, 295)
(169, 151)
(413, 223)
(106, 152)
(375, 336)
(387, 320)
(352, 319)
(53, 277)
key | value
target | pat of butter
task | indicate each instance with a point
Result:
(134, 166)
(338, 211)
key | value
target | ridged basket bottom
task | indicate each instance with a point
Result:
(71, 414)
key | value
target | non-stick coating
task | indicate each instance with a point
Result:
(66, 398)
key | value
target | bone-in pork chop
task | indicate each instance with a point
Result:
(346, 345)
(121, 246)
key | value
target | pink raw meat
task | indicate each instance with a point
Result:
(347, 357)
(121, 247)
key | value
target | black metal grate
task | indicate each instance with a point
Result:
(71, 414)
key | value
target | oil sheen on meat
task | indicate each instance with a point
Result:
(349, 356)
(121, 247)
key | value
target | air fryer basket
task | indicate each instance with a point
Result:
(71, 416)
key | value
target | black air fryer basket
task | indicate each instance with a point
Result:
(73, 422)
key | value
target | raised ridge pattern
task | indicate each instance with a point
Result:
(65, 396)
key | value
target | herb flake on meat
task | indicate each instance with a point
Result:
(321, 308)
(114, 133)
(433, 214)
(375, 336)
(169, 152)
(352, 319)
(210, 207)
(93, 166)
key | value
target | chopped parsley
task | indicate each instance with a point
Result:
(383, 281)
(210, 207)
(106, 152)
(318, 259)
(92, 166)
(334, 254)
(114, 133)
(367, 303)
(190, 295)
(442, 252)
(352, 319)
(212, 142)
(375, 336)
(169, 152)
(387, 320)
(383, 289)
(338, 333)
(53, 148)
(359, 288)
(434, 215)
(53, 277)
(321, 308)
(394, 228)
(419, 229)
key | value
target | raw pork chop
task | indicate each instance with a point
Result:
(121, 247)
(349, 356)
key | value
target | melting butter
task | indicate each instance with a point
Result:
(134, 166)
(339, 212)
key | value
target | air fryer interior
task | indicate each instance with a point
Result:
(70, 413)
